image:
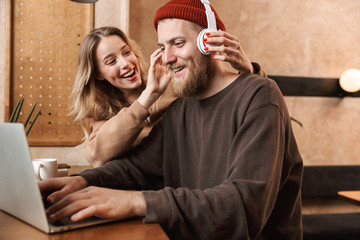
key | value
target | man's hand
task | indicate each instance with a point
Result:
(61, 187)
(226, 47)
(101, 202)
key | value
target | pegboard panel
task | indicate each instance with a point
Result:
(45, 40)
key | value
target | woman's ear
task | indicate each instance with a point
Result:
(99, 76)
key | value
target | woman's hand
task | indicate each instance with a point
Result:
(158, 80)
(226, 47)
(158, 77)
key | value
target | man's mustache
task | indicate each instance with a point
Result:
(172, 66)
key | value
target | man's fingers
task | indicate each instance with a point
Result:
(48, 185)
(56, 196)
(68, 206)
(84, 213)
(64, 212)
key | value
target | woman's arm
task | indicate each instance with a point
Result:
(110, 138)
(115, 136)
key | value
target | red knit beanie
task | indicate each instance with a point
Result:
(190, 10)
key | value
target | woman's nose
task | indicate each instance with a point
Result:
(123, 62)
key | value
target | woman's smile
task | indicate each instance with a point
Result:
(130, 75)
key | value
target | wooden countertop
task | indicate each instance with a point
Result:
(133, 229)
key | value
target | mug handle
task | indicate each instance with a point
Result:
(38, 171)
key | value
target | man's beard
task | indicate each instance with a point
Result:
(197, 77)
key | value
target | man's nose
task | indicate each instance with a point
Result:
(168, 56)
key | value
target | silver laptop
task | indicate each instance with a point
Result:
(19, 192)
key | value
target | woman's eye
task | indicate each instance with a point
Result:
(128, 52)
(111, 62)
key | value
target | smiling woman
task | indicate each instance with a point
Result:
(111, 89)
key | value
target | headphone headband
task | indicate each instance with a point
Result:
(211, 21)
(210, 16)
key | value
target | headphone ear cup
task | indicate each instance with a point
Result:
(200, 43)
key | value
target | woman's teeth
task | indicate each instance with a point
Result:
(129, 74)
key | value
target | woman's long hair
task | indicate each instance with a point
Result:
(94, 99)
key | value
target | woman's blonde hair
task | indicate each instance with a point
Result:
(94, 99)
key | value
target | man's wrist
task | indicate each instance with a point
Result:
(81, 181)
(139, 204)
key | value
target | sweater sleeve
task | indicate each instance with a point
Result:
(109, 139)
(115, 136)
(241, 206)
(140, 168)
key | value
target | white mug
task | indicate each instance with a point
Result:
(45, 168)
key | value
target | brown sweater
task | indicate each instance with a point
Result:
(225, 167)
(111, 138)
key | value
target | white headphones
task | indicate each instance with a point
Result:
(211, 22)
